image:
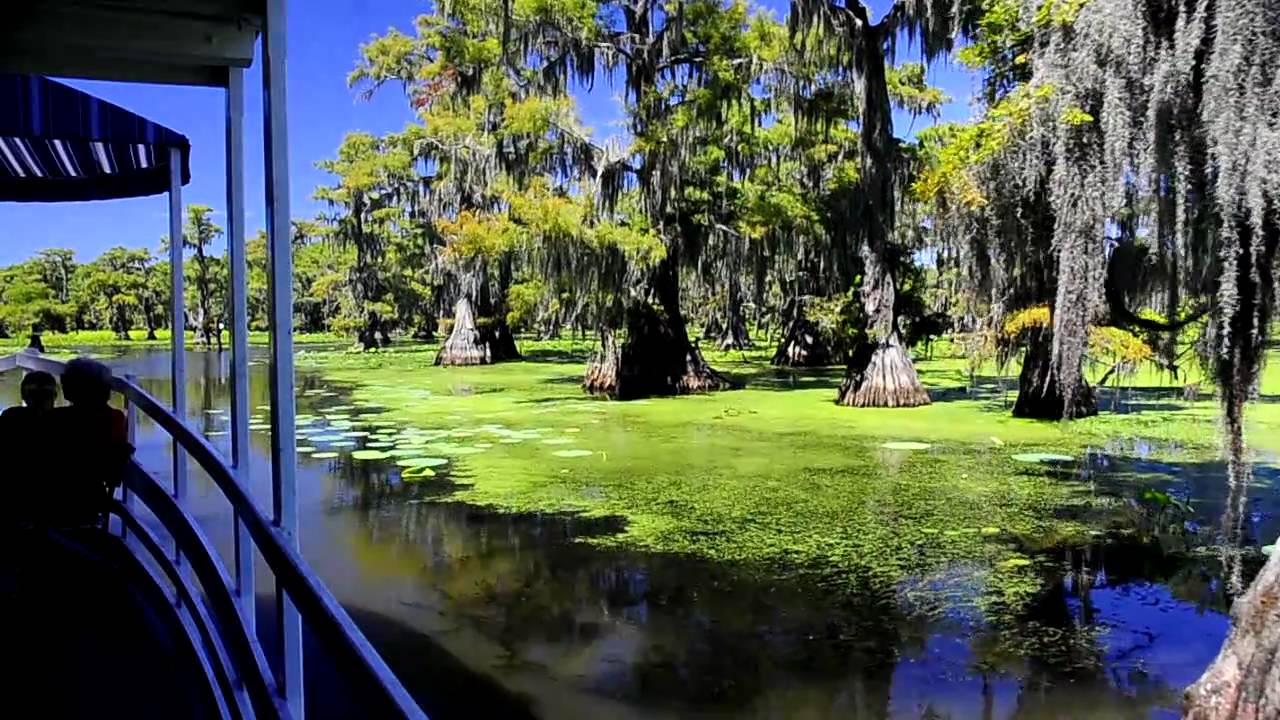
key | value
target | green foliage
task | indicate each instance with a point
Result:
(1000, 47)
(953, 154)
(27, 300)
(840, 320)
(523, 300)
(910, 90)
(114, 288)
(375, 178)
(205, 275)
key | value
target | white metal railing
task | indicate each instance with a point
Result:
(213, 608)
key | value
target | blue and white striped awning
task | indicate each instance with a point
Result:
(58, 143)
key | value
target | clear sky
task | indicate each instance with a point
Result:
(324, 37)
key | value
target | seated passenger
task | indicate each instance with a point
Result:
(93, 443)
(39, 392)
(24, 435)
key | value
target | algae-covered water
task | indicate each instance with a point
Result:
(518, 549)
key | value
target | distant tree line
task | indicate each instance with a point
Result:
(126, 290)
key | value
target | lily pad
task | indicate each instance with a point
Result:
(906, 445)
(325, 455)
(572, 453)
(417, 473)
(1042, 458)
(370, 455)
(326, 438)
(511, 440)
(305, 449)
(259, 426)
(355, 434)
(427, 462)
(344, 443)
(405, 452)
(556, 441)
(380, 444)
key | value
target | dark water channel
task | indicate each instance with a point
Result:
(492, 615)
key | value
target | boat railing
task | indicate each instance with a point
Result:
(214, 611)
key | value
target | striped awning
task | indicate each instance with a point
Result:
(58, 144)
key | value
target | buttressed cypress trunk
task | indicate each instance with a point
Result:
(465, 344)
(477, 338)
(1039, 393)
(882, 374)
(656, 358)
(802, 344)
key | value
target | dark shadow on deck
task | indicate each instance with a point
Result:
(86, 633)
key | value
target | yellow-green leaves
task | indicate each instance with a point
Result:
(1118, 346)
(1026, 319)
(1059, 12)
(954, 152)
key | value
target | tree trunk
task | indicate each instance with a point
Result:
(121, 324)
(426, 331)
(502, 342)
(657, 357)
(734, 335)
(802, 345)
(602, 371)
(880, 371)
(654, 360)
(1039, 395)
(1243, 683)
(465, 345)
(552, 325)
(367, 336)
(880, 374)
(713, 329)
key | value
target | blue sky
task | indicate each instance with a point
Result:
(324, 37)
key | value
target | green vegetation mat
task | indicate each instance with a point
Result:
(775, 477)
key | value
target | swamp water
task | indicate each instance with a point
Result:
(519, 614)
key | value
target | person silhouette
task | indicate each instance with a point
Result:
(39, 392)
(24, 438)
(95, 437)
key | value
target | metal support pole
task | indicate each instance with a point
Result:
(239, 334)
(283, 458)
(131, 433)
(178, 361)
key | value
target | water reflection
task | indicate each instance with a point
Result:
(1112, 630)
